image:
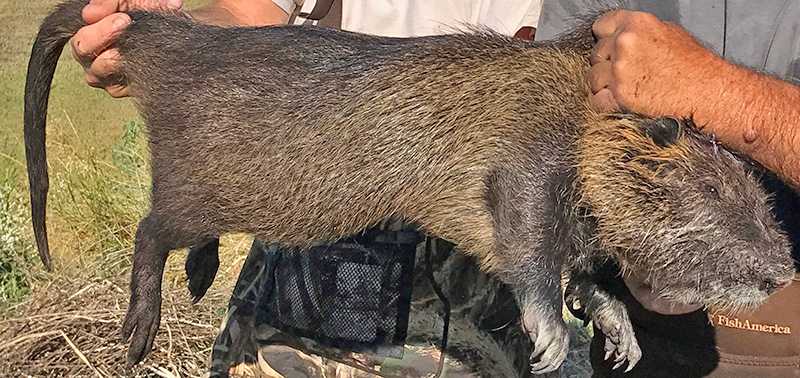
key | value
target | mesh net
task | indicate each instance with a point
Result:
(354, 297)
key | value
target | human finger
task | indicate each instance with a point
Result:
(91, 40)
(96, 10)
(118, 90)
(603, 50)
(102, 68)
(112, 83)
(600, 76)
(603, 101)
(607, 24)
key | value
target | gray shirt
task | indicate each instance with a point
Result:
(764, 35)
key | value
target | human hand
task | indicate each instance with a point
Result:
(92, 45)
(646, 65)
(650, 300)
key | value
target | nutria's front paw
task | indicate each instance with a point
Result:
(201, 266)
(550, 337)
(612, 319)
(141, 321)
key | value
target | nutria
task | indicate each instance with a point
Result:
(304, 135)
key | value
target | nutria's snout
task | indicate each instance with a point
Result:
(774, 270)
(766, 272)
(754, 284)
(772, 285)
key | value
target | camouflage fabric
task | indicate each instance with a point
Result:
(485, 337)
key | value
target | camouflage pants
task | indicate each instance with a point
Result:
(485, 338)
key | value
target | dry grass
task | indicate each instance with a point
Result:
(71, 329)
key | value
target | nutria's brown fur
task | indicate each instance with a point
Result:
(304, 135)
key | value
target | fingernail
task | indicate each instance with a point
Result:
(175, 4)
(119, 23)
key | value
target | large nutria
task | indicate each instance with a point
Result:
(304, 135)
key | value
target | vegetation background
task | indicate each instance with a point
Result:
(66, 322)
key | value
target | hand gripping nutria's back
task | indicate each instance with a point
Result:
(304, 135)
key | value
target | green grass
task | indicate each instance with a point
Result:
(18, 260)
(101, 198)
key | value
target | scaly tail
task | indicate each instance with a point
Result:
(54, 33)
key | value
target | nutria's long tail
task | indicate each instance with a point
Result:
(54, 33)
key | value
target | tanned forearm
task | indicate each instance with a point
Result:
(243, 13)
(753, 113)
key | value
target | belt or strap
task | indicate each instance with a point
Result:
(327, 12)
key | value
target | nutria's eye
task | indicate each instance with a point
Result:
(711, 191)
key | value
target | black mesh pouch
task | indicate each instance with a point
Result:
(354, 294)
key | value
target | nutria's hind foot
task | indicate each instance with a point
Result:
(549, 335)
(201, 267)
(144, 310)
(140, 326)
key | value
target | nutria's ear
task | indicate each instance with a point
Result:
(665, 131)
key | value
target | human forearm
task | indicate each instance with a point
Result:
(241, 13)
(750, 112)
(753, 113)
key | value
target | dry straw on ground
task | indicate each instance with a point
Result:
(72, 329)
